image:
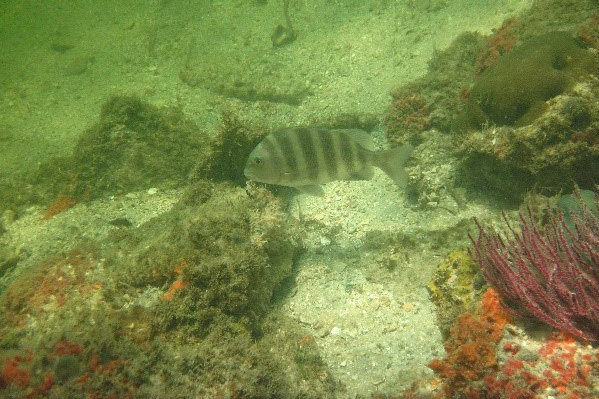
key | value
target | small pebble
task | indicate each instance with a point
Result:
(78, 65)
(120, 222)
(335, 331)
(325, 241)
(152, 191)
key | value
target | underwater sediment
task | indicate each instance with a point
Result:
(139, 262)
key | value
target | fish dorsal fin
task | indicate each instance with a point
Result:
(312, 189)
(363, 139)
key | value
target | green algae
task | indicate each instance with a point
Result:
(237, 251)
(220, 335)
(455, 288)
(133, 145)
(223, 157)
(67, 367)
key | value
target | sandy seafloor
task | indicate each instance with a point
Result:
(374, 334)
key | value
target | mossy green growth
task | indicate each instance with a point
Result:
(455, 288)
(134, 145)
(282, 363)
(232, 252)
(224, 157)
(514, 90)
(67, 367)
(235, 251)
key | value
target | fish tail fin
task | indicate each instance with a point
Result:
(392, 161)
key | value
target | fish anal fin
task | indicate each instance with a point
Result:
(312, 189)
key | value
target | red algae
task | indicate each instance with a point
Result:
(50, 282)
(471, 349)
(176, 286)
(499, 43)
(13, 373)
(178, 283)
(487, 357)
(64, 347)
(61, 204)
(562, 365)
(44, 387)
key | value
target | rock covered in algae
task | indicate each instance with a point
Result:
(518, 91)
(226, 252)
(513, 91)
(134, 145)
(232, 251)
(554, 152)
(455, 288)
(184, 305)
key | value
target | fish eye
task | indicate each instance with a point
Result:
(257, 161)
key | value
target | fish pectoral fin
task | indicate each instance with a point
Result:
(312, 189)
(365, 174)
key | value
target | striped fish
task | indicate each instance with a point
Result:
(305, 158)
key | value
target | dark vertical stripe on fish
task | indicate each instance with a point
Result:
(359, 153)
(287, 151)
(320, 160)
(271, 148)
(363, 157)
(348, 153)
(309, 152)
(296, 138)
(330, 156)
(342, 168)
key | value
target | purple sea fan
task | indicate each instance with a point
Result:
(553, 274)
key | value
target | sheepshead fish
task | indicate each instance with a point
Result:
(305, 158)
